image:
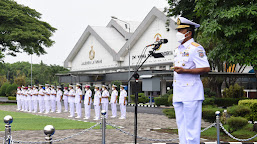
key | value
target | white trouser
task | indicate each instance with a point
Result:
(123, 110)
(72, 109)
(26, 104)
(47, 106)
(19, 104)
(188, 117)
(78, 109)
(59, 106)
(35, 105)
(41, 105)
(30, 105)
(87, 110)
(105, 107)
(23, 104)
(53, 105)
(97, 111)
(114, 109)
(65, 102)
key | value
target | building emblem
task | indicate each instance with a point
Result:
(157, 37)
(91, 53)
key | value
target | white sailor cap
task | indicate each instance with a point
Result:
(35, 86)
(71, 86)
(41, 85)
(46, 84)
(29, 86)
(53, 86)
(122, 86)
(59, 87)
(185, 23)
(114, 86)
(104, 86)
(22, 86)
(78, 84)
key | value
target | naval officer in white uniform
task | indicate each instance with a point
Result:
(114, 97)
(87, 101)
(190, 61)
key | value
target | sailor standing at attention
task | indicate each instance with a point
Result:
(71, 100)
(59, 99)
(105, 100)
(47, 98)
(41, 99)
(53, 98)
(97, 102)
(78, 100)
(18, 98)
(190, 61)
(65, 99)
(114, 98)
(29, 98)
(22, 98)
(35, 98)
(122, 102)
(87, 101)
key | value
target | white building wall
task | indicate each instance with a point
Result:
(103, 59)
(148, 37)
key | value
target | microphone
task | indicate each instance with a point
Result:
(158, 43)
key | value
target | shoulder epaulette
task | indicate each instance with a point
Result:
(195, 44)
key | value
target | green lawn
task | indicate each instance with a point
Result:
(25, 121)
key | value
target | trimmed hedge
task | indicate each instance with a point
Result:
(236, 123)
(252, 104)
(239, 110)
(141, 98)
(234, 91)
(226, 102)
(209, 101)
(208, 113)
(11, 98)
(161, 101)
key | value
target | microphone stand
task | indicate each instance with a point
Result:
(136, 76)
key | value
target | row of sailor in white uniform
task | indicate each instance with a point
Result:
(47, 99)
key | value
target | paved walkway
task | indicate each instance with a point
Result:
(145, 122)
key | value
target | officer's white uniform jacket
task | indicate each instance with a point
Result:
(71, 98)
(47, 91)
(97, 97)
(40, 93)
(35, 94)
(123, 94)
(65, 95)
(58, 95)
(18, 94)
(114, 95)
(77, 96)
(29, 93)
(105, 94)
(52, 96)
(87, 96)
(189, 87)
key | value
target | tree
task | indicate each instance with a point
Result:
(20, 80)
(227, 32)
(22, 31)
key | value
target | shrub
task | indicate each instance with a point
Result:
(236, 123)
(11, 90)
(11, 98)
(170, 92)
(226, 102)
(208, 113)
(141, 98)
(252, 104)
(208, 101)
(239, 110)
(234, 91)
(3, 89)
(170, 98)
(170, 113)
(209, 93)
(161, 101)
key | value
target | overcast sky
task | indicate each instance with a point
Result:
(71, 17)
